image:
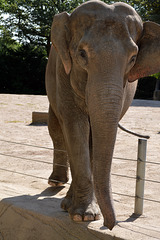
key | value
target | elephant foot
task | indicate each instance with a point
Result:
(85, 213)
(82, 212)
(67, 201)
(58, 180)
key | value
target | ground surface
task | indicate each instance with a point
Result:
(30, 209)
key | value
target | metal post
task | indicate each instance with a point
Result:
(140, 176)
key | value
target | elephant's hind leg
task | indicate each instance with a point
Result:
(59, 176)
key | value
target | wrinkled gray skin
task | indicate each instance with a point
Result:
(98, 51)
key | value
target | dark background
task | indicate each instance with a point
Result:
(25, 42)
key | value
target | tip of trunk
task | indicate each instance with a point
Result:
(110, 223)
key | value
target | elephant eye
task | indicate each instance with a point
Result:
(82, 53)
(82, 58)
(133, 59)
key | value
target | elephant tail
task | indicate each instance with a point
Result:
(133, 133)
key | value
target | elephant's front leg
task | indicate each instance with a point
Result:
(80, 201)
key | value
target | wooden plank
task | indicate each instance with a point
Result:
(39, 117)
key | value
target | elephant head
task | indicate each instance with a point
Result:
(103, 48)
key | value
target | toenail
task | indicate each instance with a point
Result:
(97, 217)
(88, 218)
(77, 218)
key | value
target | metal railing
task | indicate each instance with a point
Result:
(139, 178)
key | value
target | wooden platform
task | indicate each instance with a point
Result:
(30, 209)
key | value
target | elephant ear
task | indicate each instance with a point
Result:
(60, 38)
(148, 59)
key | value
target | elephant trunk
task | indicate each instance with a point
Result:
(104, 106)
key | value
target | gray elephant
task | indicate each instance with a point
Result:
(97, 53)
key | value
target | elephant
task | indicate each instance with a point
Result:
(97, 54)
